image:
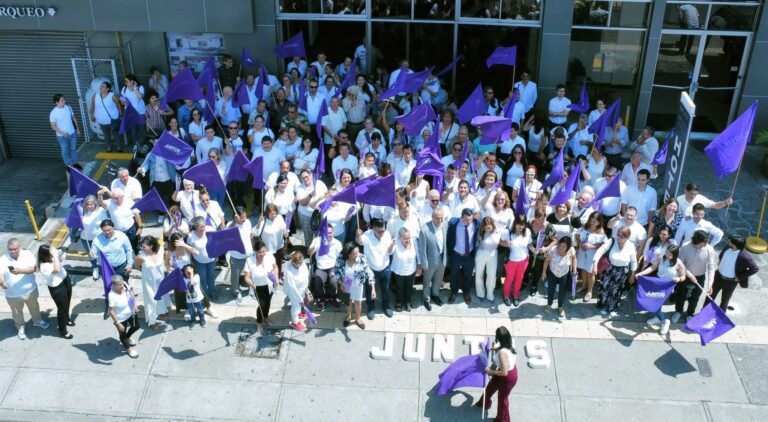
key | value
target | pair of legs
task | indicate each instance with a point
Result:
(130, 326)
(464, 265)
(727, 286)
(68, 147)
(193, 309)
(504, 386)
(207, 274)
(554, 282)
(62, 296)
(404, 285)
(17, 308)
(433, 277)
(688, 291)
(485, 273)
(515, 270)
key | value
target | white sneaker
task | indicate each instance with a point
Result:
(676, 317)
(239, 298)
(22, 335)
(42, 324)
(131, 342)
(665, 327)
(187, 317)
(653, 321)
(95, 274)
(614, 314)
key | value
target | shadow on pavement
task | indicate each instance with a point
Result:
(102, 352)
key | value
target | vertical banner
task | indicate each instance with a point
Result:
(678, 146)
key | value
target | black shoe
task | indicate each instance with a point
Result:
(388, 313)
(398, 308)
(437, 301)
(533, 293)
(515, 301)
(67, 336)
(371, 315)
(106, 314)
(346, 323)
(428, 306)
(507, 302)
(71, 323)
(467, 298)
(451, 298)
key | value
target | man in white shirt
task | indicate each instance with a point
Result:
(461, 200)
(404, 167)
(609, 207)
(697, 222)
(314, 101)
(456, 153)
(396, 154)
(130, 186)
(505, 149)
(642, 197)
(333, 122)
(17, 279)
(320, 63)
(395, 73)
(122, 214)
(646, 144)
(272, 159)
(528, 91)
(363, 138)
(692, 197)
(633, 167)
(285, 170)
(404, 218)
(224, 110)
(64, 124)
(210, 140)
(299, 64)
(344, 160)
(638, 236)
(432, 204)
(378, 245)
(559, 107)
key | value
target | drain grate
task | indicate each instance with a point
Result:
(251, 344)
(704, 368)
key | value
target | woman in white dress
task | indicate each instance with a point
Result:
(271, 229)
(152, 266)
(92, 216)
(261, 274)
(588, 239)
(353, 271)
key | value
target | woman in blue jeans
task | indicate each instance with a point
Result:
(667, 267)
(63, 122)
(558, 266)
(205, 265)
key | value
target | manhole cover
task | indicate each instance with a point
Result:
(251, 344)
(704, 368)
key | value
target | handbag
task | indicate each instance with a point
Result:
(604, 261)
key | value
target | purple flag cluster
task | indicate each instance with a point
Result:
(397, 87)
(206, 174)
(414, 81)
(502, 55)
(652, 292)
(473, 106)
(81, 185)
(414, 121)
(173, 281)
(379, 191)
(727, 149)
(223, 241)
(582, 106)
(571, 185)
(74, 219)
(495, 128)
(710, 323)
(172, 149)
(606, 120)
(292, 47)
(151, 201)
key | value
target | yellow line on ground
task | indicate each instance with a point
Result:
(114, 155)
(61, 234)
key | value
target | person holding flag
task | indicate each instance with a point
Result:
(91, 216)
(152, 266)
(194, 296)
(588, 239)
(503, 372)
(237, 259)
(116, 248)
(325, 248)
(122, 310)
(668, 267)
(261, 274)
(295, 283)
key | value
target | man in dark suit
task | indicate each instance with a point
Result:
(432, 256)
(461, 245)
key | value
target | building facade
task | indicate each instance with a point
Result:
(644, 52)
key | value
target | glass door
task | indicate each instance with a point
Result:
(675, 73)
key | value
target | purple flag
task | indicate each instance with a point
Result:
(652, 292)
(131, 119)
(349, 79)
(107, 272)
(288, 218)
(509, 107)
(611, 190)
(320, 163)
(414, 81)
(397, 87)
(322, 112)
(607, 119)
(429, 163)
(261, 80)
(727, 149)
(256, 167)
(347, 195)
(172, 149)
(522, 198)
(466, 371)
(237, 170)
(557, 173)
(450, 66)
(583, 105)
(292, 47)
(502, 55)
(75, 218)
(206, 80)
(325, 239)
(206, 174)
(495, 128)
(240, 95)
(414, 121)
(223, 241)
(661, 154)
(379, 191)
(571, 185)
(173, 281)
(247, 60)
(473, 106)
(463, 158)
(433, 142)
(210, 102)
(272, 277)
(303, 94)
(151, 201)
(81, 185)
(710, 323)
(438, 183)
(182, 87)
(209, 73)
(310, 317)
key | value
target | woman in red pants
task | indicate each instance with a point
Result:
(503, 374)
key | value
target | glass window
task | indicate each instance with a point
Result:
(394, 9)
(477, 42)
(729, 17)
(501, 9)
(609, 60)
(336, 39)
(434, 9)
(685, 16)
(328, 7)
(623, 14)
(301, 6)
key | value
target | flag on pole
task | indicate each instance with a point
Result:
(75, 217)
(303, 94)
(173, 281)
(397, 87)
(502, 55)
(652, 292)
(414, 121)
(322, 112)
(206, 174)
(292, 47)
(606, 120)
(466, 371)
(661, 155)
(240, 95)
(256, 167)
(509, 107)
(414, 81)
(151, 201)
(237, 170)
(428, 162)
(495, 128)
(727, 149)
(347, 196)
(473, 106)
(81, 185)
(310, 316)
(348, 80)
(522, 198)
(183, 86)
(379, 191)
(557, 173)
(107, 272)
(247, 60)
(320, 163)
(582, 106)
(172, 149)
(611, 190)
(263, 79)
(325, 238)
(711, 323)
(222, 241)
(571, 185)
(131, 119)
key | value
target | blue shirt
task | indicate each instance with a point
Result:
(117, 249)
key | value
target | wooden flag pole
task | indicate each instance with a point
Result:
(733, 189)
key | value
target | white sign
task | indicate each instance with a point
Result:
(678, 147)
(15, 12)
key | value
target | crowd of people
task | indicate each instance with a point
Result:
(486, 226)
